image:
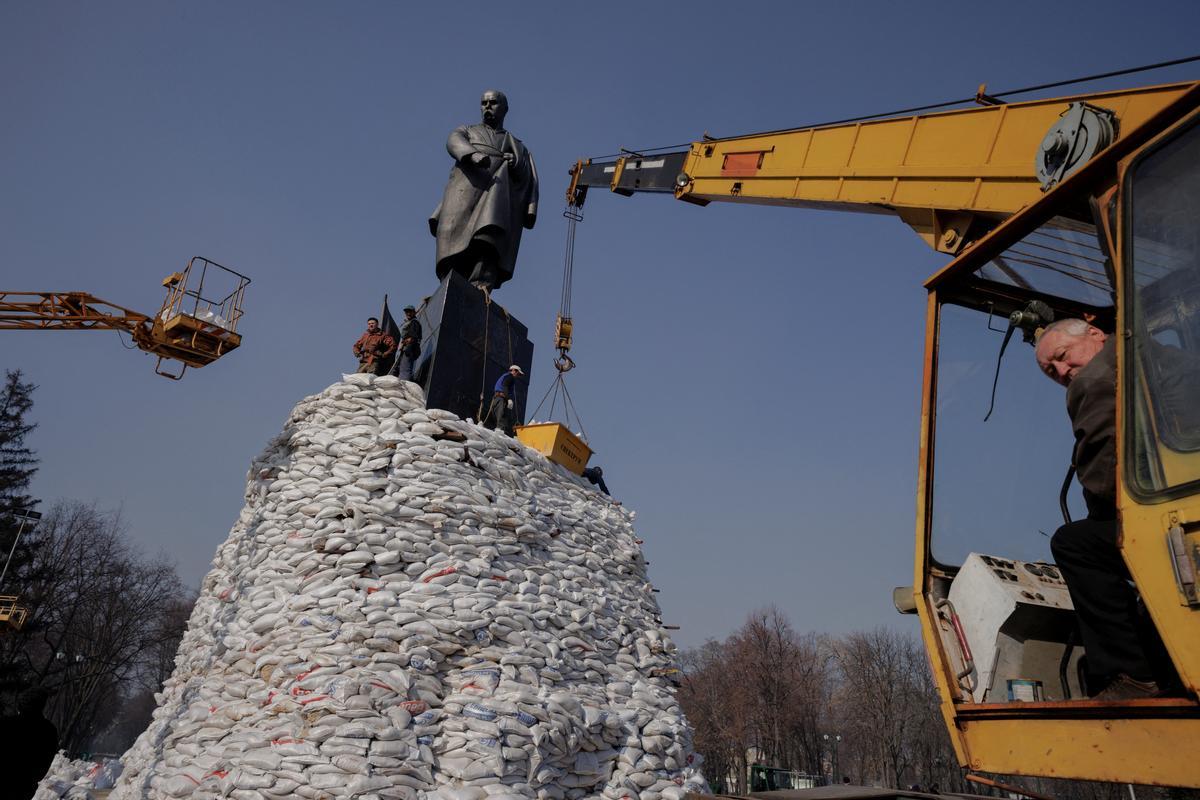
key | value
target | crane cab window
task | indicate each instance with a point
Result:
(1063, 258)
(995, 503)
(1162, 246)
(995, 483)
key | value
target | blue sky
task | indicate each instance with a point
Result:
(750, 377)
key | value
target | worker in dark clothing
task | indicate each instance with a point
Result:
(410, 345)
(1082, 358)
(373, 347)
(29, 742)
(499, 415)
(595, 476)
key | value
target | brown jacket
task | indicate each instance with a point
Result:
(373, 346)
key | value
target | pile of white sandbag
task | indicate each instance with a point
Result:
(413, 607)
(76, 779)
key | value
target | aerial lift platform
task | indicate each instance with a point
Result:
(195, 326)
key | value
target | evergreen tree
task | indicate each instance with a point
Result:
(18, 463)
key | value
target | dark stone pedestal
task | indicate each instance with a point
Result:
(467, 345)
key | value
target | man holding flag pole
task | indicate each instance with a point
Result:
(408, 337)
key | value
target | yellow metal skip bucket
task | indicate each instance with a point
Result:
(555, 442)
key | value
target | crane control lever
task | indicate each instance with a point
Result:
(1030, 320)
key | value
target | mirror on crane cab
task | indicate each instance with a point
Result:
(1117, 245)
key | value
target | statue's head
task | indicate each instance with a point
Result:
(494, 106)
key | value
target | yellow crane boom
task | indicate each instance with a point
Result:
(950, 176)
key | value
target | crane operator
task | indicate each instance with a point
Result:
(1082, 358)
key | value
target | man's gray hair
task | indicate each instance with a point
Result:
(1073, 326)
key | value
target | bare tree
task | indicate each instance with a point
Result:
(788, 678)
(137, 697)
(932, 754)
(100, 617)
(760, 697)
(875, 700)
(765, 655)
(158, 660)
(713, 697)
(768, 692)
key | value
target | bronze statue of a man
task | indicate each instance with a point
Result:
(492, 194)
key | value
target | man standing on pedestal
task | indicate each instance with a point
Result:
(373, 347)
(491, 196)
(410, 345)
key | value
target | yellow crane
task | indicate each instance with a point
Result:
(1089, 204)
(195, 326)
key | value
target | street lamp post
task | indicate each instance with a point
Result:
(833, 741)
(836, 767)
(25, 515)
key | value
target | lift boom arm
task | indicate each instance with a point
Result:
(67, 311)
(951, 176)
(191, 328)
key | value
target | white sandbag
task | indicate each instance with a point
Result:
(398, 615)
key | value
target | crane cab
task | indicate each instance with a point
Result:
(198, 321)
(1118, 244)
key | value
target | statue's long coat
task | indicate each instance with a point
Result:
(486, 206)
